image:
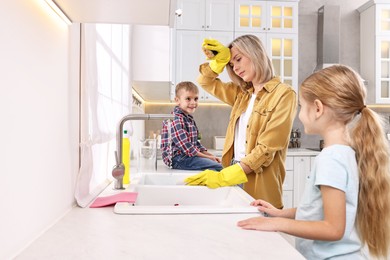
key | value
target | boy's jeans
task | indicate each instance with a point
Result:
(184, 162)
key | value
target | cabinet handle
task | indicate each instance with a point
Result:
(203, 26)
(207, 26)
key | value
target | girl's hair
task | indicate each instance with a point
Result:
(342, 89)
(251, 47)
(186, 85)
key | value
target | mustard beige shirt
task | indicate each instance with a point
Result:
(267, 132)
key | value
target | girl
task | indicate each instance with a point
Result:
(346, 202)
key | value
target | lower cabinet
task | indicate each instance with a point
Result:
(288, 184)
(297, 171)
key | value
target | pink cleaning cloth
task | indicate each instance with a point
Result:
(130, 197)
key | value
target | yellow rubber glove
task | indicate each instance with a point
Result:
(229, 176)
(219, 60)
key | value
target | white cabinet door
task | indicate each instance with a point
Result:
(382, 20)
(382, 78)
(288, 184)
(250, 16)
(375, 51)
(283, 51)
(193, 16)
(151, 53)
(188, 59)
(215, 15)
(288, 199)
(302, 166)
(220, 15)
(263, 16)
(282, 17)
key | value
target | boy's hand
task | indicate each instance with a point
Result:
(215, 159)
(229, 176)
(218, 60)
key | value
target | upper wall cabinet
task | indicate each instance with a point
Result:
(283, 52)
(146, 12)
(150, 53)
(200, 19)
(189, 56)
(276, 25)
(375, 50)
(211, 15)
(274, 22)
(266, 16)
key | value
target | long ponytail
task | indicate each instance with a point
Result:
(372, 154)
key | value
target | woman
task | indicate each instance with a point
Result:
(263, 110)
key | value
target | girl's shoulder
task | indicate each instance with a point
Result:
(337, 152)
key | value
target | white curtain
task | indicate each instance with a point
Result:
(105, 99)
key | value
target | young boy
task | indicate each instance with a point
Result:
(180, 146)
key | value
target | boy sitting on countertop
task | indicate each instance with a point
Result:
(180, 146)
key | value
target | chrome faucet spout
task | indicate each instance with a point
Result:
(119, 169)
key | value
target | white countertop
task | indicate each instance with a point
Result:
(301, 152)
(290, 152)
(99, 233)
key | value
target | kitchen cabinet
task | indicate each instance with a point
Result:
(266, 16)
(213, 15)
(288, 184)
(200, 19)
(283, 52)
(189, 55)
(302, 167)
(274, 22)
(298, 166)
(276, 25)
(151, 64)
(150, 53)
(375, 50)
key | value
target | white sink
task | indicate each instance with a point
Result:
(182, 199)
(163, 178)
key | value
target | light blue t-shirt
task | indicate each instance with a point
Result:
(336, 167)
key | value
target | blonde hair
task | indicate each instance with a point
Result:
(251, 47)
(186, 85)
(342, 89)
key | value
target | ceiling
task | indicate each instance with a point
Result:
(152, 12)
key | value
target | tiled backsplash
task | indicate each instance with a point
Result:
(213, 120)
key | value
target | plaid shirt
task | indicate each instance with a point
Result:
(184, 137)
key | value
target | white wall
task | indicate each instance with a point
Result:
(39, 123)
(349, 44)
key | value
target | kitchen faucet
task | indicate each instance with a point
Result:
(119, 169)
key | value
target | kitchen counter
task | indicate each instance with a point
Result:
(99, 233)
(301, 152)
(290, 151)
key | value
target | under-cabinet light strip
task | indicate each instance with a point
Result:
(59, 11)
